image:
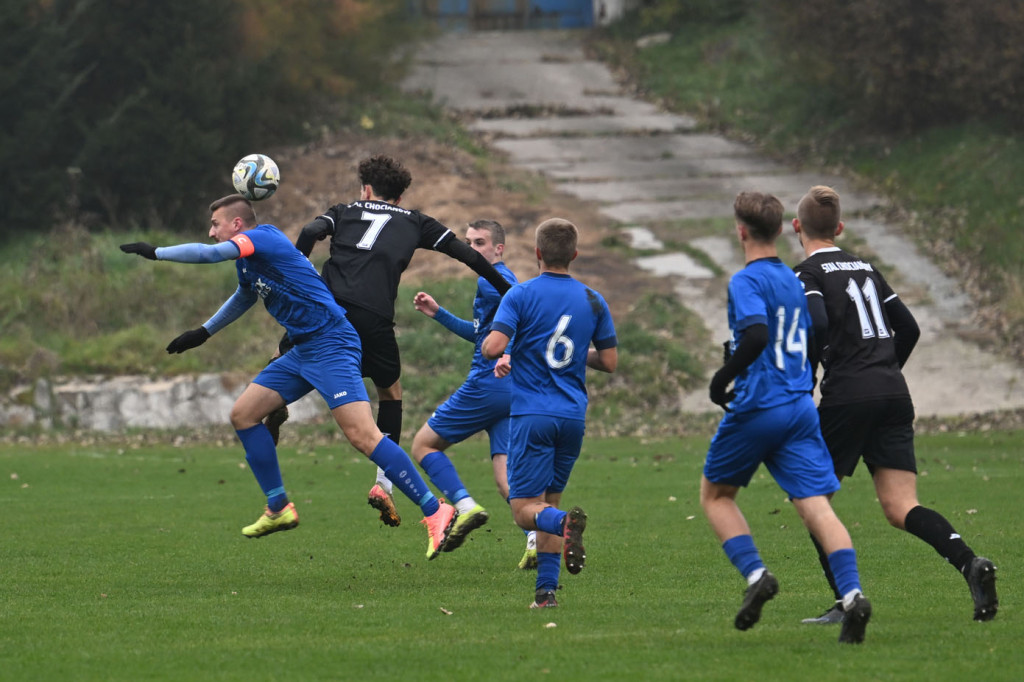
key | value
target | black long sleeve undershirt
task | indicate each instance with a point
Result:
(754, 341)
(817, 345)
(904, 327)
(311, 233)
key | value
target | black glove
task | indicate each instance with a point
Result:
(717, 391)
(726, 351)
(142, 248)
(190, 339)
(285, 344)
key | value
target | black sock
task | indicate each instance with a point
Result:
(933, 528)
(823, 559)
(389, 418)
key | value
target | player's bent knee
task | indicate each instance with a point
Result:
(242, 418)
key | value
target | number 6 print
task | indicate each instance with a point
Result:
(560, 339)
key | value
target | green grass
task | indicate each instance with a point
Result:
(73, 304)
(125, 562)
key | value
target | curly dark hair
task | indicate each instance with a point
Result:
(388, 178)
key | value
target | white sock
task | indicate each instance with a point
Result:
(849, 597)
(383, 481)
(465, 504)
(755, 575)
(531, 540)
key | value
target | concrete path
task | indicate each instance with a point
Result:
(552, 110)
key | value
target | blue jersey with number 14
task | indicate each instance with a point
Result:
(767, 292)
(552, 320)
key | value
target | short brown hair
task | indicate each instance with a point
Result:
(240, 207)
(818, 212)
(492, 226)
(556, 239)
(761, 213)
(388, 178)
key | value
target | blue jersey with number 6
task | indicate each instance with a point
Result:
(767, 292)
(552, 320)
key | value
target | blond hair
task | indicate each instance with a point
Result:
(818, 212)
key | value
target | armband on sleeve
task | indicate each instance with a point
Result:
(245, 246)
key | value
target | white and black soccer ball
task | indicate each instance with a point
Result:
(256, 176)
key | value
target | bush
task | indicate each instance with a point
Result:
(669, 14)
(909, 64)
(124, 111)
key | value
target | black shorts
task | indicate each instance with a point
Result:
(879, 431)
(381, 362)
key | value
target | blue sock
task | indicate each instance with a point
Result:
(743, 554)
(843, 563)
(443, 475)
(403, 474)
(550, 520)
(549, 564)
(262, 457)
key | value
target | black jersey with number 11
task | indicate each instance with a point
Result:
(859, 357)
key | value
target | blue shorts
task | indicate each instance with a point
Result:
(542, 452)
(470, 410)
(786, 438)
(329, 362)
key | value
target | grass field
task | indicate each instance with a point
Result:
(126, 563)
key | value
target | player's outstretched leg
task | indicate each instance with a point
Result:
(384, 502)
(764, 589)
(465, 522)
(438, 525)
(575, 555)
(272, 522)
(981, 577)
(855, 620)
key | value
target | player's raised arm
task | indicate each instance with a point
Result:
(426, 304)
(185, 253)
(314, 231)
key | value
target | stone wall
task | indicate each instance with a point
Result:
(117, 403)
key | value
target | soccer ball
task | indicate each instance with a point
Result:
(256, 176)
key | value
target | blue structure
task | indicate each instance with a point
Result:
(483, 15)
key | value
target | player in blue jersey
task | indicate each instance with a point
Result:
(554, 319)
(480, 404)
(326, 357)
(771, 418)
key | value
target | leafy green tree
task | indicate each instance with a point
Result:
(120, 111)
(38, 83)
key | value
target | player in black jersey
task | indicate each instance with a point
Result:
(372, 241)
(864, 335)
